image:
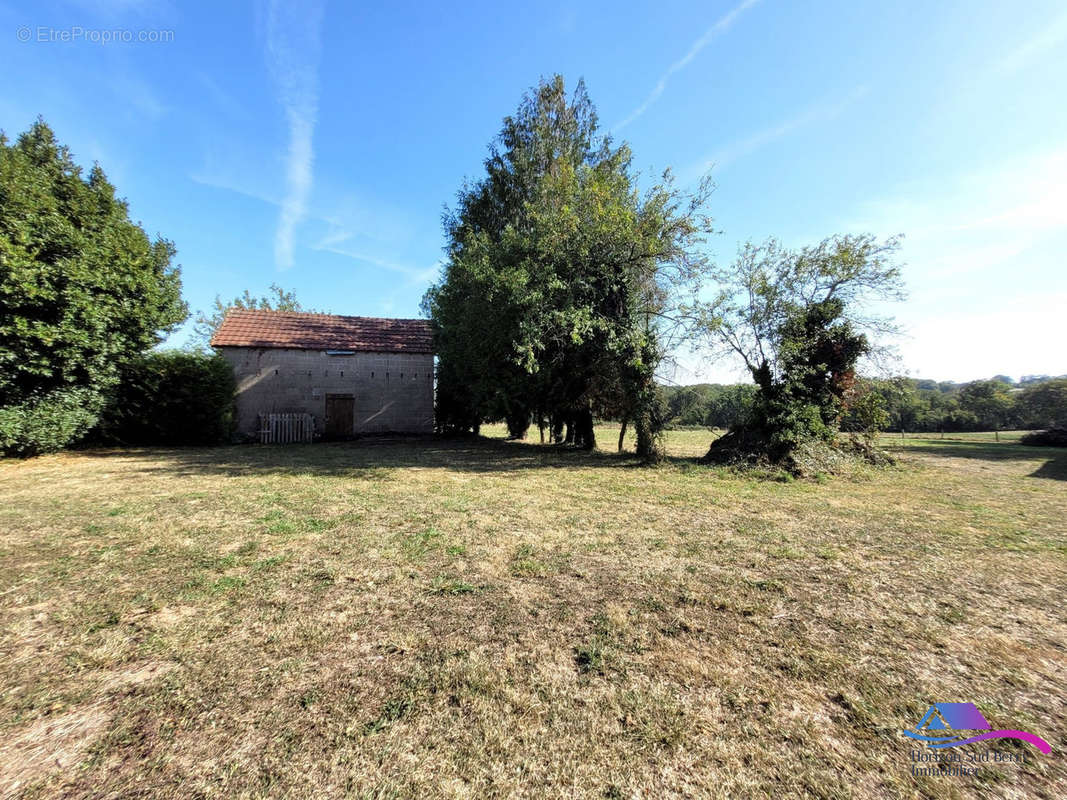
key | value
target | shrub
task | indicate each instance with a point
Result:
(173, 398)
(47, 423)
(1053, 437)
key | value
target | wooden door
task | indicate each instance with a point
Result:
(340, 411)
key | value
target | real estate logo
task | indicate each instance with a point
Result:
(945, 719)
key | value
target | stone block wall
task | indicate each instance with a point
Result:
(393, 392)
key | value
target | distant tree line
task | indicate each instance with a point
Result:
(706, 405)
(988, 405)
(909, 404)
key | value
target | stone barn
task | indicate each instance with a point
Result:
(351, 374)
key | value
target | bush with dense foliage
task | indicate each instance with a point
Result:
(1053, 437)
(1043, 404)
(82, 290)
(170, 397)
(47, 423)
(865, 413)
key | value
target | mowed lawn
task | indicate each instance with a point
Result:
(448, 618)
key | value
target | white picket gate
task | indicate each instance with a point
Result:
(286, 428)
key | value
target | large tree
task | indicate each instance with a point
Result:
(558, 271)
(82, 290)
(799, 321)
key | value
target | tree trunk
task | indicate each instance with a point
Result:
(586, 436)
(622, 432)
(647, 422)
(647, 444)
(518, 422)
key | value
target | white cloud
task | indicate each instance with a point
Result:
(1051, 36)
(1023, 336)
(293, 42)
(220, 180)
(356, 226)
(1026, 194)
(1035, 195)
(721, 26)
(352, 215)
(416, 275)
(823, 112)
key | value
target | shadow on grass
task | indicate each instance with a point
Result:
(366, 457)
(1055, 459)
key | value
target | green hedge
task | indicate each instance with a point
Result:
(170, 397)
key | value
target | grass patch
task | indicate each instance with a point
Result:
(525, 564)
(227, 583)
(476, 617)
(417, 544)
(447, 585)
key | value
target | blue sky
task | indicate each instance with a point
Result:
(315, 145)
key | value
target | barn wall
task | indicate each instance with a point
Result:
(392, 391)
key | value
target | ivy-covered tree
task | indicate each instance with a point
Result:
(797, 320)
(557, 274)
(82, 290)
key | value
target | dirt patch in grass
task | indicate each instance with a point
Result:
(58, 742)
(52, 744)
(134, 675)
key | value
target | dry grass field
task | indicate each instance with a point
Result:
(430, 618)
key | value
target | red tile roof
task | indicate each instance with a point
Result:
(243, 328)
